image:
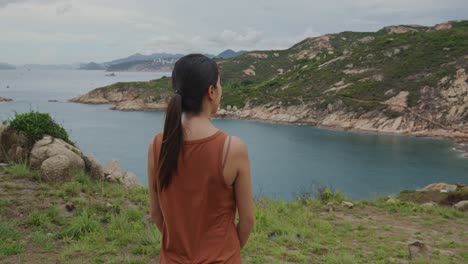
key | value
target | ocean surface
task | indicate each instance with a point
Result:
(286, 160)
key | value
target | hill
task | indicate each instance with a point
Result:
(400, 79)
(229, 54)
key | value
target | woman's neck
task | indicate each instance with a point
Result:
(197, 126)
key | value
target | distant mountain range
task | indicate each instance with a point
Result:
(135, 62)
(6, 66)
(152, 62)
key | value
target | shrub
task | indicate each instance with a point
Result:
(35, 125)
(326, 195)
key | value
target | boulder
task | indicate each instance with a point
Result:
(48, 147)
(57, 167)
(462, 205)
(93, 166)
(115, 173)
(130, 179)
(347, 204)
(14, 145)
(418, 249)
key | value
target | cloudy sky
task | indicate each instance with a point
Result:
(70, 31)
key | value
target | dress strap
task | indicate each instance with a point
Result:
(227, 151)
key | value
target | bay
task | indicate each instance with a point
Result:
(286, 160)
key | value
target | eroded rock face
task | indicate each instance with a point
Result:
(48, 147)
(398, 102)
(93, 166)
(441, 186)
(14, 145)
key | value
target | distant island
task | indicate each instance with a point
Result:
(3, 99)
(404, 79)
(91, 66)
(6, 66)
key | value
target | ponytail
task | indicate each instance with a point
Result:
(172, 143)
(191, 77)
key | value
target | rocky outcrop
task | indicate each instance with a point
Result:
(49, 146)
(441, 187)
(139, 104)
(3, 99)
(57, 159)
(399, 29)
(123, 99)
(114, 172)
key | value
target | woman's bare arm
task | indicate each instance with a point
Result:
(155, 209)
(243, 190)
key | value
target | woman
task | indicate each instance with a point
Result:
(198, 175)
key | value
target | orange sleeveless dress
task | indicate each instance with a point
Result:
(198, 207)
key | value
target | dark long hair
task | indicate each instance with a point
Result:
(192, 76)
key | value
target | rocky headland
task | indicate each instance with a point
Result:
(405, 79)
(3, 99)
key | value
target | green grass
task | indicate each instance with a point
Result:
(110, 224)
(20, 170)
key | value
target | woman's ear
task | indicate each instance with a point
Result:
(211, 93)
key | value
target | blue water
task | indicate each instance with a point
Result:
(286, 160)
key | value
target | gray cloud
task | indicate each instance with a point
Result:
(90, 30)
(62, 9)
(4, 3)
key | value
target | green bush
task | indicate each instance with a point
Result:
(326, 195)
(35, 125)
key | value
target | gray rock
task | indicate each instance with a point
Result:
(55, 168)
(93, 166)
(48, 147)
(462, 205)
(429, 205)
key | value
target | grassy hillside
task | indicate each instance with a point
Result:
(371, 64)
(357, 69)
(90, 221)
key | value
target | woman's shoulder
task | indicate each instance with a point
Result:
(238, 146)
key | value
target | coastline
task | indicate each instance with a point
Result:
(459, 138)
